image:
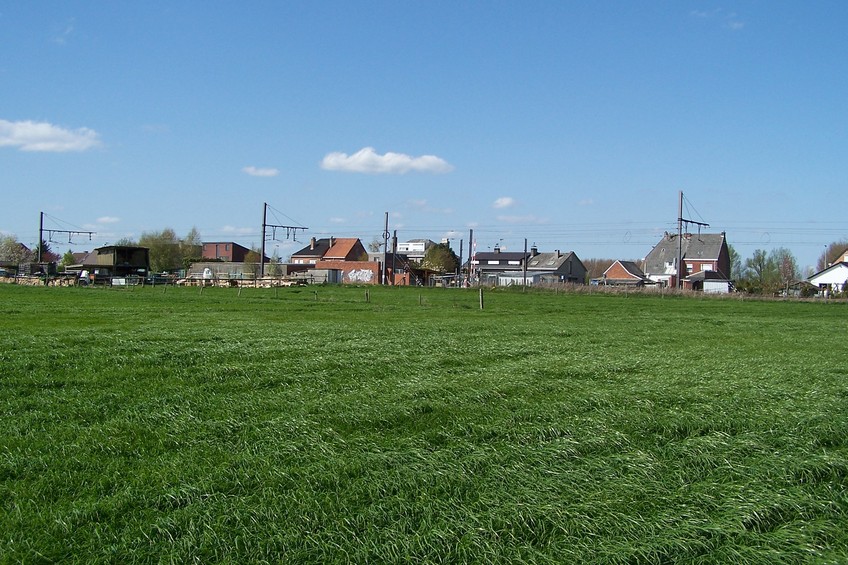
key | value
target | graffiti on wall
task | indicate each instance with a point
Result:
(360, 275)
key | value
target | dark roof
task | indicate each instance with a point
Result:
(704, 246)
(632, 268)
(320, 248)
(549, 261)
(501, 256)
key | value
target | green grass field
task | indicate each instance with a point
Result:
(308, 425)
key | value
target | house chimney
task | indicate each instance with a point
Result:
(558, 254)
(534, 251)
(497, 248)
(332, 241)
(312, 243)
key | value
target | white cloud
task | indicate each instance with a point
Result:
(366, 160)
(259, 172)
(586, 202)
(337, 220)
(108, 220)
(504, 202)
(42, 136)
(238, 231)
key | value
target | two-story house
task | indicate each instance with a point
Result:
(704, 256)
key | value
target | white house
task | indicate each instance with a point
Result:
(832, 279)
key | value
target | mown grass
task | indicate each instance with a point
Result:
(309, 425)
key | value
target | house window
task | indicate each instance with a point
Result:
(493, 262)
(706, 266)
(227, 247)
(514, 262)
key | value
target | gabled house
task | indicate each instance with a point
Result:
(487, 265)
(624, 273)
(700, 252)
(833, 279)
(556, 267)
(313, 252)
(346, 249)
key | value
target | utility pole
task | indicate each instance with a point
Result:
(394, 254)
(459, 266)
(385, 246)
(71, 234)
(291, 233)
(470, 254)
(680, 221)
(524, 262)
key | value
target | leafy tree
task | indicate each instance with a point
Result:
(67, 259)
(43, 250)
(251, 262)
(125, 242)
(736, 270)
(761, 273)
(164, 249)
(191, 248)
(12, 251)
(275, 269)
(169, 252)
(440, 258)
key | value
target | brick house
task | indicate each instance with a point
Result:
(225, 251)
(701, 253)
(624, 273)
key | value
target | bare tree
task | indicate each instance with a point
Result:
(785, 265)
(833, 251)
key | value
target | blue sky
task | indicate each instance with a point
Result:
(571, 124)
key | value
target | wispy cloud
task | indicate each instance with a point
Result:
(366, 160)
(43, 136)
(238, 231)
(65, 32)
(733, 24)
(424, 206)
(108, 220)
(528, 219)
(586, 202)
(261, 172)
(155, 128)
(728, 20)
(504, 202)
(337, 220)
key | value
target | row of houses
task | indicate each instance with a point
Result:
(704, 262)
